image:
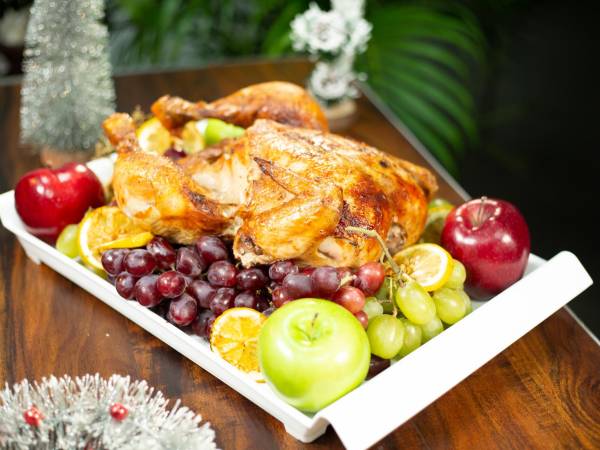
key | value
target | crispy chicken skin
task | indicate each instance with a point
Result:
(158, 193)
(281, 191)
(312, 185)
(282, 102)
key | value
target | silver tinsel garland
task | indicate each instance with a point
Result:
(76, 414)
(67, 89)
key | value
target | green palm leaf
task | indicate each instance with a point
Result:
(422, 60)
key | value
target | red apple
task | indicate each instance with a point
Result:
(48, 200)
(491, 238)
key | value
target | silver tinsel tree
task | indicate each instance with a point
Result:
(67, 90)
(92, 413)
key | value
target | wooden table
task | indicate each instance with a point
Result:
(542, 392)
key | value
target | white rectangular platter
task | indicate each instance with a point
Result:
(492, 327)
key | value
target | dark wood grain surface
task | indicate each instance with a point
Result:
(542, 392)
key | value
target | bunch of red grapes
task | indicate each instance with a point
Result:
(192, 285)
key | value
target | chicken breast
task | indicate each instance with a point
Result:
(312, 185)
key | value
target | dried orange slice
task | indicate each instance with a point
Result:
(234, 337)
(103, 226)
(428, 264)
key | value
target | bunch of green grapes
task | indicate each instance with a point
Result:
(403, 316)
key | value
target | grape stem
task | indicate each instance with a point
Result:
(375, 234)
(346, 279)
(391, 293)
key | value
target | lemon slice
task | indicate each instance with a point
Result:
(192, 136)
(131, 241)
(153, 137)
(103, 225)
(234, 337)
(428, 264)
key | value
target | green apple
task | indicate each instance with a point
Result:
(312, 352)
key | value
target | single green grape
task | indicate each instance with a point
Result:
(386, 336)
(440, 203)
(383, 294)
(415, 303)
(457, 277)
(413, 335)
(67, 241)
(450, 305)
(467, 300)
(372, 308)
(431, 329)
(216, 130)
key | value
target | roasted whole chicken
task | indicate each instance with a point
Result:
(286, 189)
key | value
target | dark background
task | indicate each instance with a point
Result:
(535, 91)
(540, 145)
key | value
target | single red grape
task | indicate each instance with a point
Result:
(246, 299)
(253, 279)
(280, 269)
(362, 318)
(222, 273)
(200, 325)
(202, 291)
(325, 281)
(188, 262)
(125, 284)
(162, 251)
(350, 298)
(139, 262)
(222, 301)
(183, 310)
(171, 284)
(369, 277)
(298, 285)
(212, 249)
(280, 296)
(377, 365)
(112, 260)
(146, 293)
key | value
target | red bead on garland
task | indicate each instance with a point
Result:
(118, 411)
(33, 416)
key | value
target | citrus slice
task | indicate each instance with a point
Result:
(130, 241)
(234, 337)
(192, 136)
(103, 225)
(153, 137)
(428, 264)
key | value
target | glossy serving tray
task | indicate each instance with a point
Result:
(379, 405)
